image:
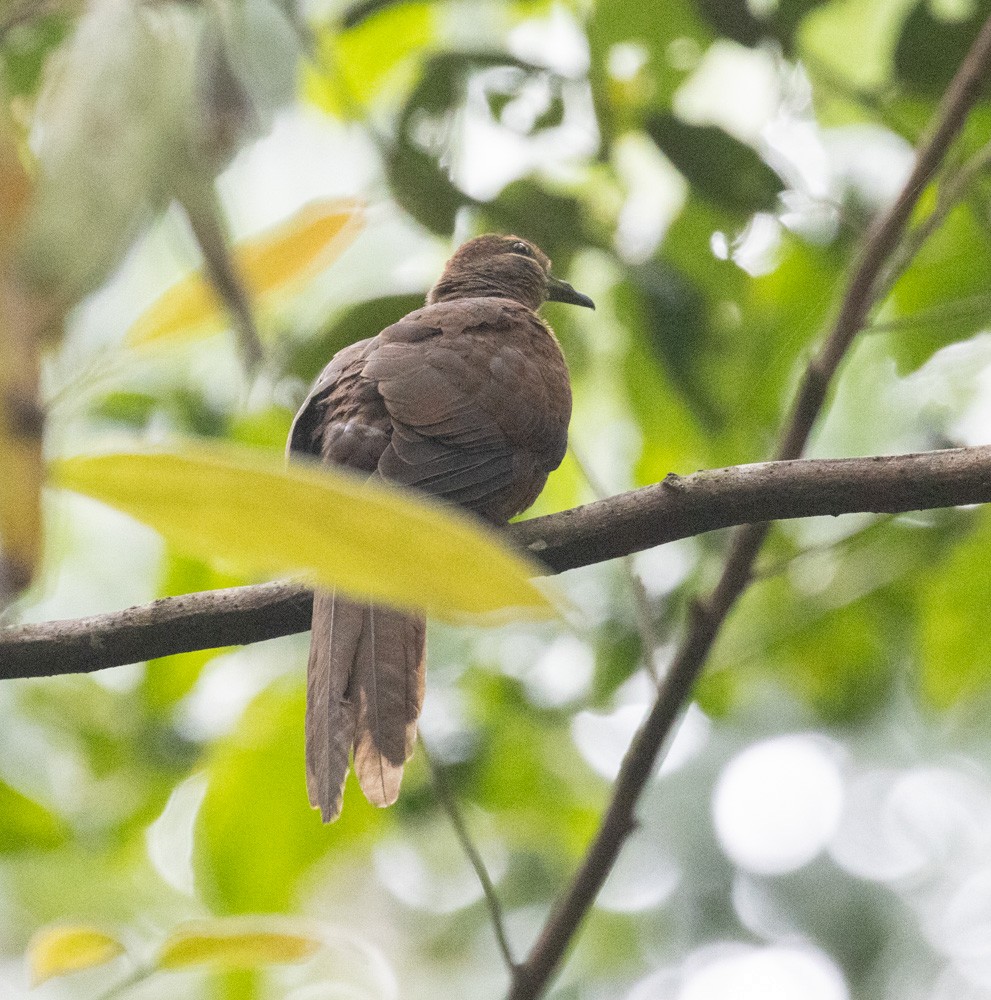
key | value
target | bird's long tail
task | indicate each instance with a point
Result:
(365, 682)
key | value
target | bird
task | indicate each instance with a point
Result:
(467, 399)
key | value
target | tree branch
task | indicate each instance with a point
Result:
(707, 616)
(678, 507)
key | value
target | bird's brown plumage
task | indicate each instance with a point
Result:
(467, 399)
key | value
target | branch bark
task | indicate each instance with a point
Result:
(678, 507)
(706, 618)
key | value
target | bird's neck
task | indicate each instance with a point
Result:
(478, 284)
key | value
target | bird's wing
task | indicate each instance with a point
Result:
(343, 419)
(468, 405)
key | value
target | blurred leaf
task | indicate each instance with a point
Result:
(557, 223)
(26, 825)
(675, 317)
(930, 48)
(673, 440)
(189, 409)
(671, 41)
(372, 57)
(855, 39)
(270, 263)
(57, 951)
(234, 944)
(835, 624)
(225, 276)
(367, 539)
(953, 603)
(26, 47)
(718, 166)
(266, 428)
(357, 13)
(358, 322)
(256, 798)
(845, 664)
(618, 656)
(23, 320)
(525, 772)
(419, 182)
(422, 188)
(134, 102)
(738, 352)
(126, 760)
(953, 264)
(416, 178)
(132, 409)
(736, 19)
(552, 117)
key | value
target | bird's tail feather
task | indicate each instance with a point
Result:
(365, 684)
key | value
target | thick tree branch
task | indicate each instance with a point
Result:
(533, 976)
(679, 507)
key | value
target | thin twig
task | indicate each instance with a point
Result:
(950, 192)
(707, 616)
(202, 209)
(450, 805)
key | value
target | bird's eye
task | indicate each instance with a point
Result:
(521, 248)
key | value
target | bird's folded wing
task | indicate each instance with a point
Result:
(445, 441)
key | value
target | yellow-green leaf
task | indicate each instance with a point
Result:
(234, 943)
(247, 509)
(270, 263)
(56, 951)
(374, 59)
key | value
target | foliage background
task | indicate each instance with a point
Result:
(702, 170)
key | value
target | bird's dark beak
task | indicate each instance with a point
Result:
(561, 291)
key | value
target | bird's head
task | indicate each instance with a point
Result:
(507, 267)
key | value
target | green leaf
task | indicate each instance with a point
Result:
(755, 328)
(556, 222)
(26, 825)
(366, 319)
(633, 22)
(57, 951)
(855, 39)
(736, 19)
(417, 180)
(26, 48)
(953, 264)
(675, 319)
(930, 48)
(248, 509)
(234, 943)
(843, 665)
(256, 832)
(718, 166)
(953, 612)
(374, 57)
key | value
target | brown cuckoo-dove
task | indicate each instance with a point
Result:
(466, 399)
